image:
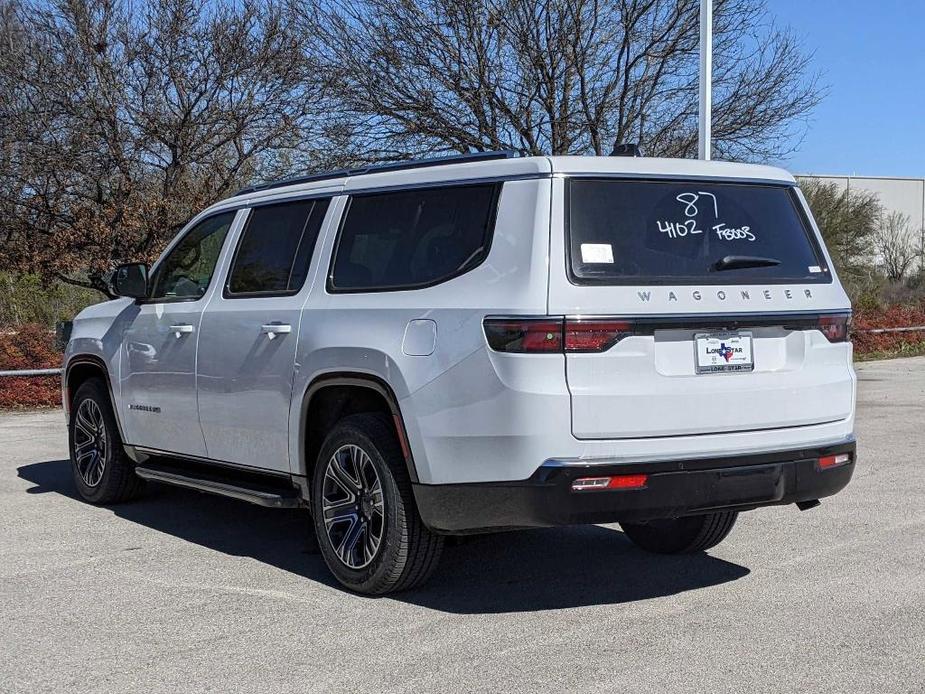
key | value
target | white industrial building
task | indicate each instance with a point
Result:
(906, 195)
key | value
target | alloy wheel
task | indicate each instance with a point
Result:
(352, 506)
(91, 444)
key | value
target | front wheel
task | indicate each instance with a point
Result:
(681, 535)
(367, 525)
(102, 471)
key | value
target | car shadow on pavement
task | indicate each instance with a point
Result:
(524, 571)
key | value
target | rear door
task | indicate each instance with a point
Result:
(695, 307)
(247, 342)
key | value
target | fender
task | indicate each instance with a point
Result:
(361, 380)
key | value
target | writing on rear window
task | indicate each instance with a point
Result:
(689, 201)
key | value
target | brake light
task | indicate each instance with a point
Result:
(554, 335)
(594, 335)
(835, 327)
(528, 335)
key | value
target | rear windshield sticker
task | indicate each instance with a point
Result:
(596, 253)
(815, 268)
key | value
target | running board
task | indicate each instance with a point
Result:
(261, 497)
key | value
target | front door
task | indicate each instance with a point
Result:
(247, 342)
(158, 364)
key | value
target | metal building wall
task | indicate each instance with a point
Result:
(906, 195)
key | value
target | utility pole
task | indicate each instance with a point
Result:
(704, 134)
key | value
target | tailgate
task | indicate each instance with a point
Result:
(648, 385)
(731, 270)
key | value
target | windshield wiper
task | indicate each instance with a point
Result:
(736, 262)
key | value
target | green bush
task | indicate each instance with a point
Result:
(25, 299)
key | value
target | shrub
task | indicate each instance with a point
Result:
(29, 346)
(25, 299)
(889, 344)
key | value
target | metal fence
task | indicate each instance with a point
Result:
(19, 373)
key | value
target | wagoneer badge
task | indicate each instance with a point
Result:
(741, 294)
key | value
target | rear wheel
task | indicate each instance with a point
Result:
(681, 535)
(366, 521)
(102, 472)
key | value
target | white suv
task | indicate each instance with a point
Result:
(478, 343)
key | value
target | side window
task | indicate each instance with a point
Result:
(413, 238)
(276, 248)
(186, 272)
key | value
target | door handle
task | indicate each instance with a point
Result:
(182, 329)
(271, 330)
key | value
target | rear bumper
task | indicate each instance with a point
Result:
(673, 488)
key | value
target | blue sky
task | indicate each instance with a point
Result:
(872, 56)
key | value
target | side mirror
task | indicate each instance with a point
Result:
(130, 280)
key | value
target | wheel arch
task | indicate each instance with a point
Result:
(335, 389)
(78, 370)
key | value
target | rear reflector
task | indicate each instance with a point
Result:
(830, 461)
(588, 484)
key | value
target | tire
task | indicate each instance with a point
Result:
(681, 535)
(350, 512)
(103, 473)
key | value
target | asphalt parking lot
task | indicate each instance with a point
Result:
(181, 592)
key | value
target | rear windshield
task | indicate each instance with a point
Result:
(632, 232)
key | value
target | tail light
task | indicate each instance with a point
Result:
(554, 335)
(835, 326)
(594, 335)
(528, 335)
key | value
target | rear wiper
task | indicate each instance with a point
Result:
(735, 262)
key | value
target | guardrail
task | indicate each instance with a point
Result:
(21, 373)
(876, 331)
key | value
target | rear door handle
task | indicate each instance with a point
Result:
(182, 329)
(271, 330)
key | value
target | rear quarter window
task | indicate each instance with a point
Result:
(672, 232)
(414, 238)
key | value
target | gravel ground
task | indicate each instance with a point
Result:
(181, 592)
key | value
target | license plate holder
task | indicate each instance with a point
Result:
(723, 352)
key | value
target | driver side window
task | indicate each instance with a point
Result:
(186, 272)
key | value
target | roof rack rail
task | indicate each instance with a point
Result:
(380, 168)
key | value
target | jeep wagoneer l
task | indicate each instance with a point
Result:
(478, 343)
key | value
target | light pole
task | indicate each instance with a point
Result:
(706, 80)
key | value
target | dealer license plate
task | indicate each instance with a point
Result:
(723, 352)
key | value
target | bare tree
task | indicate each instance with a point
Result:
(896, 246)
(559, 76)
(849, 221)
(121, 120)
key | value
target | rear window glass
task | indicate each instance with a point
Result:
(631, 232)
(413, 238)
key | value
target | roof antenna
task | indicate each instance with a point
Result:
(626, 149)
